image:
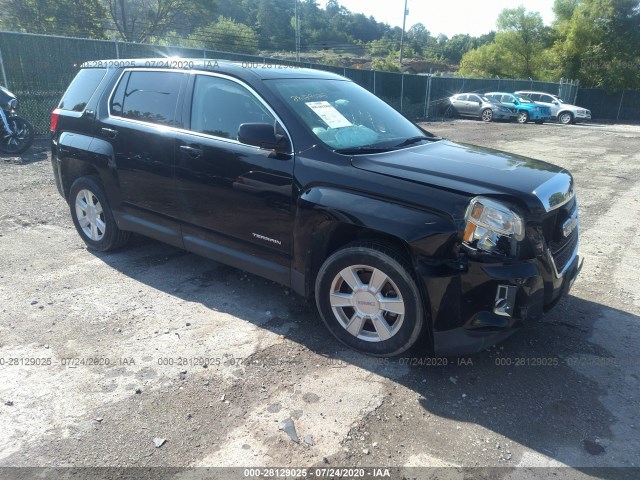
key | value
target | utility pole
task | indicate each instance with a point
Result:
(297, 13)
(404, 24)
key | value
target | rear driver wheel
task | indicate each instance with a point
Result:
(92, 216)
(369, 300)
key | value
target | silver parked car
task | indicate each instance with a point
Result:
(562, 111)
(477, 106)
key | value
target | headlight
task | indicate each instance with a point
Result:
(492, 226)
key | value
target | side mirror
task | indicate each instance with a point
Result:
(263, 135)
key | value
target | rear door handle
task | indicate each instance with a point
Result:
(109, 132)
(193, 152)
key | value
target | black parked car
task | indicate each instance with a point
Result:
(307, 179)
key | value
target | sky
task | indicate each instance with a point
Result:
(474, 17)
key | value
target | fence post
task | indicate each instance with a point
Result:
(428, 96)
(575, 93)
(115, 42)
(4, 74)
(374, 82)
(620, 107)
(401, 91)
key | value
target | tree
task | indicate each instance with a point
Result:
(77, 18)
(516, 50)
(227, 35)
(598, 42)
(523, 34)
(140, 20)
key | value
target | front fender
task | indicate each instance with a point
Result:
(324, 210)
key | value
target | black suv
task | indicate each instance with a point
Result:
(307, 179)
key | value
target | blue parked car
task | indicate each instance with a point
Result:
(527, 108)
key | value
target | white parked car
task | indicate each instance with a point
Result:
(562, 111)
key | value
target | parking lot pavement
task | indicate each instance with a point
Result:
(151, 356)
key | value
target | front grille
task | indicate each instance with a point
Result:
(561, 247)
(562, 255)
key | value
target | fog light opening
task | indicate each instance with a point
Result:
(505, 300)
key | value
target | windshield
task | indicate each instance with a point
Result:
(345, 116)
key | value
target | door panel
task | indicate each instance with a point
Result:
(231, 195)
(140, 128)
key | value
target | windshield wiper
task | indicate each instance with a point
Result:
(412, 140)
(363, 149)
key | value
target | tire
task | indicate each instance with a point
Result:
(565, 118)
(487, 115)
(21, 138)
(523, 117)
(362, 321)
(92, 216)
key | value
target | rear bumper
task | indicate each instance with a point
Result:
(473, 311)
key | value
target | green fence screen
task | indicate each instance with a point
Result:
(38, 69)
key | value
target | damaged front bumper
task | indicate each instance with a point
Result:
(486, 303)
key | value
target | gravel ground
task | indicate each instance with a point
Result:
(102, 356)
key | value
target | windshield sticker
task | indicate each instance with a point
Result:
(329, 115)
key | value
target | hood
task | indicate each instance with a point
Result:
(475, 171)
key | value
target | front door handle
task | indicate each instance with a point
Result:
(193, 152)
(109, 132)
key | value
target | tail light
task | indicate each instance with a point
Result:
(54, 120)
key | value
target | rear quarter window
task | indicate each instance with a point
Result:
(82, 89)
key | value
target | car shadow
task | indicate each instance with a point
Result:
(37, 152)
(526, 389)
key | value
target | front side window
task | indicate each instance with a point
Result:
(344, 115)
(547, 99)
(220, 106)
(147, 96)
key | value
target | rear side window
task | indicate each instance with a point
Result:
(147, 96)
(81, 89)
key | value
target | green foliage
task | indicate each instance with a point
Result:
(141, 20)
(598, 42)
(82, 18)
(226, 35)
(594, 41)
(388, 64)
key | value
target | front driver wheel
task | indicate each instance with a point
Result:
(369, 300)
(523, 117)
(565, 118)
(92, 216)
(487, 115)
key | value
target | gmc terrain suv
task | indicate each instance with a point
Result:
(307, 179)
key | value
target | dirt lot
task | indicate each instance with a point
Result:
(137, 323)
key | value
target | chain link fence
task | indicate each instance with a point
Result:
(38, 69)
